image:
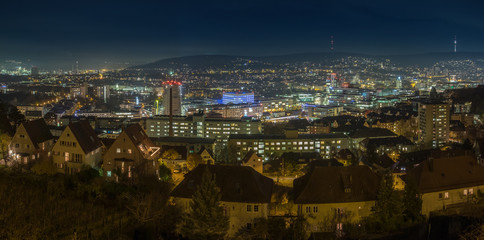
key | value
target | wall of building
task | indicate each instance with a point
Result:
(267, 147)
(22, 149)
(433, 124)
(238, 213)
(325, 217)
(439, 200)
(67, 143)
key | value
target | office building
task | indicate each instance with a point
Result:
(271, 145)
(172, 98)
(200, 126)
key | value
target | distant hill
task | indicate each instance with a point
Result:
(427, 59)
(198, 61)
(226, 61)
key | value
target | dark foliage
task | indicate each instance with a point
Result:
(82, 206)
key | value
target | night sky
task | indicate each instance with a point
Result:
(150, 30)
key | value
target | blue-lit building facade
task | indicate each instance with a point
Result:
(237, 97)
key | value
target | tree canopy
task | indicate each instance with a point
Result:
(206, 219)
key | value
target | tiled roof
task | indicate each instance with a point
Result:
(336, 185)
(448, 173)
(85, 135)
(236, 183)
(372, 133)
(248, 156)
(37, 131)
(389, 141)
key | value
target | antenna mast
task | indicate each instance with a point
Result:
(455, 43)
(332, 43)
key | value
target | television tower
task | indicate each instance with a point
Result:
(455, 43)
(332, 43)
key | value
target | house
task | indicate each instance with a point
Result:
(390, 145)
(328, 197)
(346, 157)
(206, 155)
(253, 160)
(132, 153)
(368, 133)
(32, 141)
(78, 145)
(245, 193)
(448, 181)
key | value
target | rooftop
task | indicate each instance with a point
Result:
(236, 183)
(336, 185)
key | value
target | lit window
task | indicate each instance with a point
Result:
(339, 226)
(118, 150)
(130, 151)
(108, 173)
(446, 195)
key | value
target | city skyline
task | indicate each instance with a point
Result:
(51, 33)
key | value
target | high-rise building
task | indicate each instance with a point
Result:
(398, 83)
(103, 92)
(433, 123)
(84, 90)
(172, 98)
(334, 80)
(106, 93)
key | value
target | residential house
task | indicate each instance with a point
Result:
(448, 181)
(368, 133)
(207, 156)
(346, 157)
(245, 193)
(329, 197)
(388, 145)
(253, 160)
(32, 141)
(131, 154)
(78, 145)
